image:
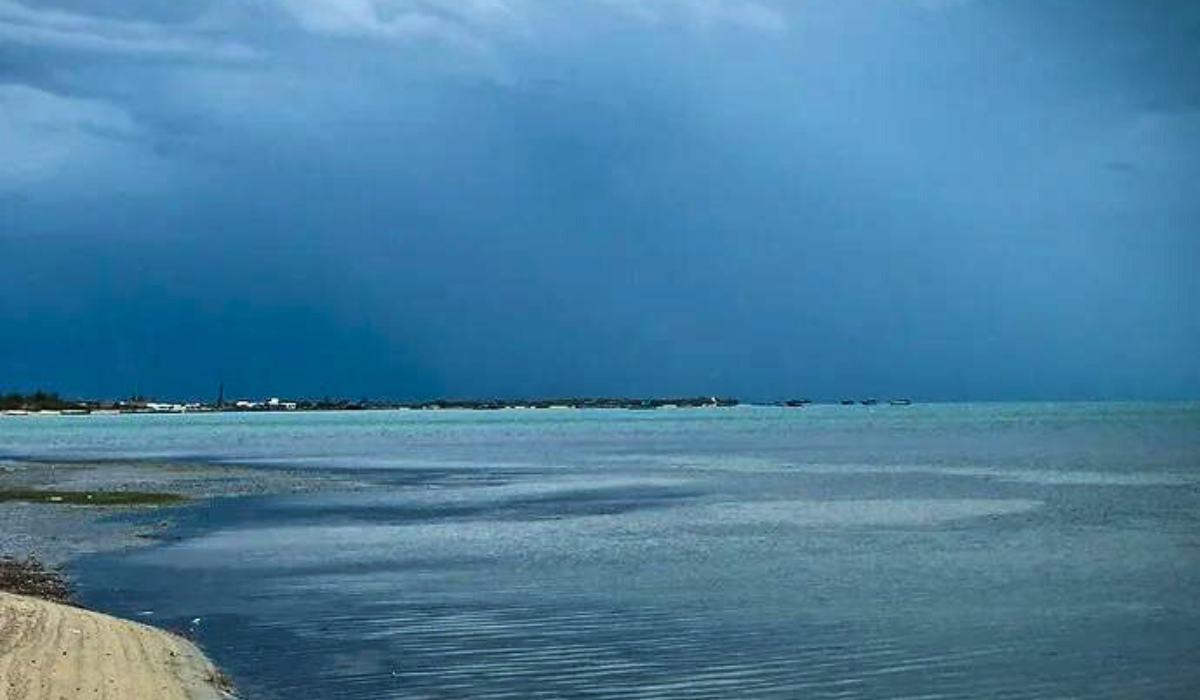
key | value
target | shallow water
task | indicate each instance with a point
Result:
(990, 550)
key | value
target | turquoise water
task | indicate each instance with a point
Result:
(954, 551)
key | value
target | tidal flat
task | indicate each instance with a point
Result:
(57, 509)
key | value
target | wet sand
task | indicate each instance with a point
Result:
(50, 651)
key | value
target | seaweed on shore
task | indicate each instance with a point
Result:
(30, 577)
(220, 680)
(91, 498)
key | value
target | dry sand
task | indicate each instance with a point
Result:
(55, 652)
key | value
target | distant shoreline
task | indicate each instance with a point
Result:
(138, 405)
(276, 405)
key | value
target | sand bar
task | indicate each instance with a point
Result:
(55, 652)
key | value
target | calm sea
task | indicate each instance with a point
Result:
(930, 551)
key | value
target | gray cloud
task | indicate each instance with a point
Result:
(398, 19)
(78, 145)
(78, 32)
(602, 196)
(706, 14)
(228, 30)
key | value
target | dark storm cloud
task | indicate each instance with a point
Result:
(642, 196)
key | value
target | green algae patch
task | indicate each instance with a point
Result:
(91, 498)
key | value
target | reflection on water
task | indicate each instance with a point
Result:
(1014, 551)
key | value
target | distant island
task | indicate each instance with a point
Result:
(45, 402)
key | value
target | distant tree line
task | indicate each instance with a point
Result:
(37, 401)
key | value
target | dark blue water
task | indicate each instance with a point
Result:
(981, 551)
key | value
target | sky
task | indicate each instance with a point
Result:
(939, 199)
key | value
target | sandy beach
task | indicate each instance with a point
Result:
(55, 652)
